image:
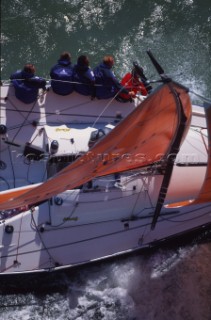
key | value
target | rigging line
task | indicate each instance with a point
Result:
(30, 111)
(146, 193)
(136, 201)
(203, 139)
(71, 213)
(48, 80)
(112, 199)
(35, 137)
(11, 162)
(43, 243)
(27, 174)
(44, 176)
(164, 216)
(14, 106)
(53, 113)
(200, 96)
(18, 243)
(25, 118)
(106, 107)
(76, 82)
(5, 181)
(65, 109)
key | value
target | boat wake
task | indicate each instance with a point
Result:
(162, 285)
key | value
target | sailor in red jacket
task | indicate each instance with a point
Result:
(132, 83)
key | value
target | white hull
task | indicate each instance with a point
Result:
(112, 216)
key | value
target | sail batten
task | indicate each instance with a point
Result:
(143, 138)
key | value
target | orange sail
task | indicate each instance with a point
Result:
(141, 139)
(205, 192)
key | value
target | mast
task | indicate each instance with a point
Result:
(174, 148)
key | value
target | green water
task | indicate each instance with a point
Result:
(177, 32)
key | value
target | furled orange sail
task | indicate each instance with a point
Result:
(141, 139)
(205, 192)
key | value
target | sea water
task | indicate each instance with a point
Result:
(168, 283)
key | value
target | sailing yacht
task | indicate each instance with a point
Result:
(84, 179)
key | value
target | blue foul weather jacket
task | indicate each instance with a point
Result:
(63, 71)
(84, 78)
(109, 85)
(27, 86)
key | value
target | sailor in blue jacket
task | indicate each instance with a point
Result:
(62, 72)
(109, 86)
(26, 84)
(83, 77)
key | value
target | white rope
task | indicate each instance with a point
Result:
(201, 97)
(49, 81)
(106, 107)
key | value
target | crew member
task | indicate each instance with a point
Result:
(27, 84)
(83, 77)
(107, 86)
(133, 84)
(62, 73)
